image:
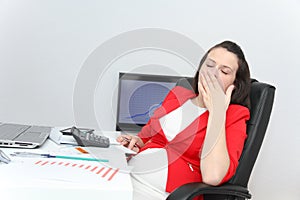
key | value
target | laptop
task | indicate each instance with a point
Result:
(23, 136)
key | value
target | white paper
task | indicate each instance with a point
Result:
(36, 170)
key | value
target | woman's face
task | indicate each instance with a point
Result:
(223, 64)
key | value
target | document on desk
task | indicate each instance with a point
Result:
(56, 178)
(34, 170)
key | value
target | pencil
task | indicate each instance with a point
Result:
(30, 154)
(81, 158)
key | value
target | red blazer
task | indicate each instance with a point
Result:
(184, 150)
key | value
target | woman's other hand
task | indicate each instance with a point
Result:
(131, 142)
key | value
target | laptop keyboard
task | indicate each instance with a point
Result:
(11, 131)
(35, 134)
(39, 129)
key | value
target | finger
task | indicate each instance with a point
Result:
(132, 143)
(136, 149)
(125, 140)
(229, 93)
(201, 87)
(120, 138)
(125, 143)
(214, 80)
(205, 86)
(210, 79)
(204, 90)
(204, 82)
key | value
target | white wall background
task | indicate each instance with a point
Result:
(44, 44)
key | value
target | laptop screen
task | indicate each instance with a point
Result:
(139, 96)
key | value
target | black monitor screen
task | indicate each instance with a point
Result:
(139, 96)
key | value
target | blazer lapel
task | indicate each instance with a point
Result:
(180, 96)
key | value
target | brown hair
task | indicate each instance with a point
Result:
(242, 83)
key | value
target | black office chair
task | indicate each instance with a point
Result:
(262, 97)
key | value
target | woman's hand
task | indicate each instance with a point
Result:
(214, 155)
(214, 98)
(131, 142)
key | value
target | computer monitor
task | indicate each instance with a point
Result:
(139, 96)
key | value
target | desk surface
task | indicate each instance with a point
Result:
(53, 178)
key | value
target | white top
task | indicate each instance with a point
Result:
(180, 118)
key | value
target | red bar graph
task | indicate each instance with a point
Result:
(106, 173)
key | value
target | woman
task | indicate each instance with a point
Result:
(195, 136)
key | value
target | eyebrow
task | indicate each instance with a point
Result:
(222, 65)
(211, 60)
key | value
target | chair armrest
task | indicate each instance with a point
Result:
(191, 190)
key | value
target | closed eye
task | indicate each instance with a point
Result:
(209, 65)
(224, 72)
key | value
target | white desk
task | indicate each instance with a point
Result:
(25, 178)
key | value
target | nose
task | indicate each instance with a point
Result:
(214, 71)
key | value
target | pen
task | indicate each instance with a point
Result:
(29, 154)
(3, 157)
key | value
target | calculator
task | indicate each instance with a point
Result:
(86, 137)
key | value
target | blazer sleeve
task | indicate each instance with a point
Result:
(145, 133)
(236, 118)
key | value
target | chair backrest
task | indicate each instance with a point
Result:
(262, 98)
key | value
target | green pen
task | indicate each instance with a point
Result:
(29, 154)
